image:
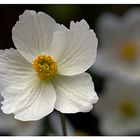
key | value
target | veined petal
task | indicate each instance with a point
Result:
(75, 49)
(74, 93)
(29, 100)
(32, 34)
(24, 94)
(13, 67)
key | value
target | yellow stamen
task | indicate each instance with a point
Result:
(127, 109)
(129, 51)
(45, 66)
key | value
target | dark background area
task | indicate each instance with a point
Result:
(63, 14)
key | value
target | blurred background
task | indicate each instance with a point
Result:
(97, 122)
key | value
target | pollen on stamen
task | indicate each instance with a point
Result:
(45, 66)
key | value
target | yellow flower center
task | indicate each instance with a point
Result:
(129, 51)
(45, 66)
(127, 109)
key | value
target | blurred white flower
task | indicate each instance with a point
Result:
(47, 70)
(119, 109)
(119, 52)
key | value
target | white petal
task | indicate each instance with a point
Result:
(74, 93)
(32, 34)
(75, 49)
(29, 100)
(13, 67)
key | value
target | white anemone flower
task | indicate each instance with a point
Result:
(119, 52)
(119, 109)
(47, 70)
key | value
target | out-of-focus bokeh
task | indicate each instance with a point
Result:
(116, 73)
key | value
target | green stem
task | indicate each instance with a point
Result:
(63, 123)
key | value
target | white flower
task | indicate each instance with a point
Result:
(47, 70)
(119, 109)
(119, 53)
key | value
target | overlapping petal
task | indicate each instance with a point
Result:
(74, 49)
(74, 93)
(23, 92)
(30, 100)
(13, 67)
(32, 34)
